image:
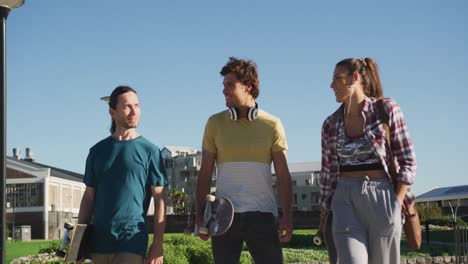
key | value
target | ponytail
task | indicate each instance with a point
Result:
(369, 72)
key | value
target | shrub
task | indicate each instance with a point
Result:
(200, 254)
(246, 258)
(175, 254)
(446, 221)
(39, 259)
(432, 211)
(301, 241)
(51, 249)
(7, 232)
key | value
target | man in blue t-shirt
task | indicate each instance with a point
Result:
(122, 172)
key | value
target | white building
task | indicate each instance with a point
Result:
(41, 196)
(305, 185)
(443, 195)
(183, 165)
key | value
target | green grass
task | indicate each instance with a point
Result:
(20, 249)
(180, 248)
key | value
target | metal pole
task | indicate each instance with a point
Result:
(3, 16)
(13, 193)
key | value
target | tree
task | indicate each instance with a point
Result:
(180, 201)
(430, 212)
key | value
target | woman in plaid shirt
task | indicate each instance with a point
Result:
(355, 183)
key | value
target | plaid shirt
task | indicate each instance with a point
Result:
(374, 131)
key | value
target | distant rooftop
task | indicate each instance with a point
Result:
(54, 171)
(444, 193)
(175, 150)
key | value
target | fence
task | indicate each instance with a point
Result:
(461, 244)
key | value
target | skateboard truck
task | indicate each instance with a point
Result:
(66, 239)
(205, 228)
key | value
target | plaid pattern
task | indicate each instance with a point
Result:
(400, 139)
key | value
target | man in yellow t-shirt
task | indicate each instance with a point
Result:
(243, 141)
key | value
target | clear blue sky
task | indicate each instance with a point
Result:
(64, 55)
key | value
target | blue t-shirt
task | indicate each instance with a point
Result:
(121, 173)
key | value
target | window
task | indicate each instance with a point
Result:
(314, 197)
(76, 198)
(66, 197)
(304, 196)
(54, 198)
(168, 163)
(295, 198)
(294, 183)
(25, 194)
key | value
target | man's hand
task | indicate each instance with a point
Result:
(155, 254)
(203, 186)
(285, 229)
(199, 224)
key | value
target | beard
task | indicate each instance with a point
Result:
(126, 124)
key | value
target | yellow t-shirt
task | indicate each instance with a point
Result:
(243, 151)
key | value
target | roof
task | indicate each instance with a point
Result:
(54, 171)
(444, 193)
(174, 149)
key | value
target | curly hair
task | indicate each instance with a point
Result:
(246, 73)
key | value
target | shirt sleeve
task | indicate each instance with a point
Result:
(157, 173)
(279, 138)
(325, 181)
(401, 143)
(209, 143)
(90, 175)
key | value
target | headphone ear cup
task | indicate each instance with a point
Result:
(253, 112)
(232, 113)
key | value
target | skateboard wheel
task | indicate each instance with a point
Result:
(210, 198)
(203, 230)
(317, 241)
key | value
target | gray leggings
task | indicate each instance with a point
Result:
(366, 221)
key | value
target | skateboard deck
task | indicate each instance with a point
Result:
(218, 216)
(78, 247)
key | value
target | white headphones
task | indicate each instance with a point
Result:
(251, 114)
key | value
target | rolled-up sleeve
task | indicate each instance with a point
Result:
(401, 143)
(325, 179)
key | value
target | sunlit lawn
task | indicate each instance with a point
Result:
(19, 249)
(299, 249)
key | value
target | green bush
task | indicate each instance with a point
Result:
(51, 249)
(300, 241)
(7, 232)
(246, 258)
(181, 249)
(200, 254)
(429, 212)
(175, 254)
(446, 221)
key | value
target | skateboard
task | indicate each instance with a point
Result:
(79, 247)
(317, 239)
(66, 240)
(191, 227)
(218, 216)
